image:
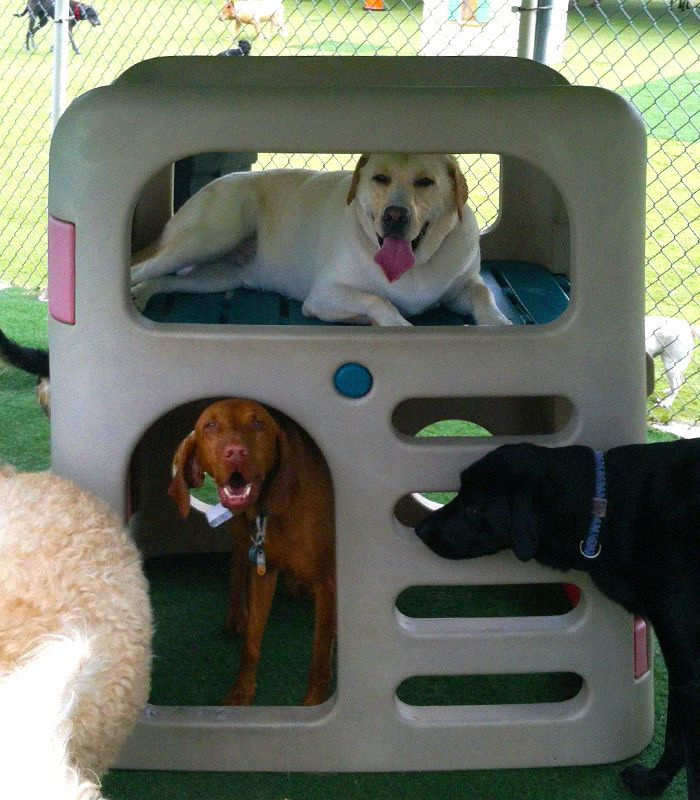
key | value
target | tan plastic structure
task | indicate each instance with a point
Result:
(125, 389)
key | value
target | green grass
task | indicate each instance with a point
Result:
(24, 441)
(195, 660)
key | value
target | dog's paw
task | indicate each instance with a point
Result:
(239, 696)
(491, 316)
(396, 323)
(313, 697)
(388, 317)
(643, 781)
(496, 319)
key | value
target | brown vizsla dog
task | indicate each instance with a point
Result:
(275, 481)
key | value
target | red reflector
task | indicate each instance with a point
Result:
(573, 593)
(62, 270)
(641, 658)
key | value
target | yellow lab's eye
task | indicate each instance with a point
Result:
(211, 426)
(384, 180)
(422, 183)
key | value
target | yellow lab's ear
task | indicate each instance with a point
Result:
(459, 185)
(356, 177)
(186, 472)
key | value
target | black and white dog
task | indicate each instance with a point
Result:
(630, 518)
(40, 11)
(33, 360)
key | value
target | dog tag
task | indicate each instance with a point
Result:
(256, 555)
(260, 562)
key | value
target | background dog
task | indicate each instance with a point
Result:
(274, 480)
(539, 502)
(75, 638)
(671, 338)
(255, 13)
(243, 49)
(30, 359)
(391, 239)
(40, 11)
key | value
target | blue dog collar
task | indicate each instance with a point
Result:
(590, 548)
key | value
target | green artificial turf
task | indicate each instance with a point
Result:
(195, 660)
(24, 429)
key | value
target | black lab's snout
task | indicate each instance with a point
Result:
(395, 219)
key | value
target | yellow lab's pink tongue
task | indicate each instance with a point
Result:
(395, 256)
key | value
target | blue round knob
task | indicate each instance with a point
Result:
(352, 380)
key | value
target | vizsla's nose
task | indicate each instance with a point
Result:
(234, 451)
(395, 219)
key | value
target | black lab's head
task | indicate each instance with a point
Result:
(89, 13)
(493, 510)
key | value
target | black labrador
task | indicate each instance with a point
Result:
(243, 49)
(40, 11)
(630, 518)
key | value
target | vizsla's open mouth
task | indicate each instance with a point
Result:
(238, 492)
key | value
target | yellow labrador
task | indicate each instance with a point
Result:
(386, 241)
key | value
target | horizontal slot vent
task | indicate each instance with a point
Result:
(508, 600)
(471, 417)
(478, 690)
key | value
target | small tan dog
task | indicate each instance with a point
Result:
(75, 638)
(255, 13)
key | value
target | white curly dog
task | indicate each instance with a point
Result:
(75, 638)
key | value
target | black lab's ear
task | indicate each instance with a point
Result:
(525, 528)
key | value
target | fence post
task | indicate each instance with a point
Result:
(60, 60)
(526, 35)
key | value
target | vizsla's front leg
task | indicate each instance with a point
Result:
(322, 649)
(238, 584)
(261, 590)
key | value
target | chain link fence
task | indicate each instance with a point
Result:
(646, 51)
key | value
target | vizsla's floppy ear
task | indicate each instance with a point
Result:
(187, 473)
(356, 177)
(279, 495)
(459, 185)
